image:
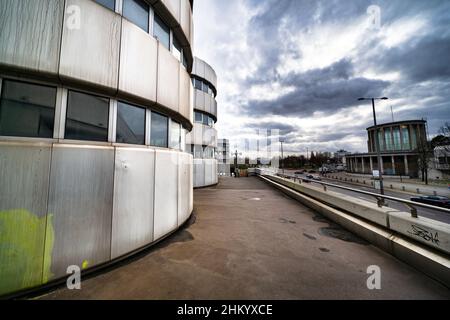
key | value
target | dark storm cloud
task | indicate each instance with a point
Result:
(283, 128)
(320, 90)
(424, 57)
(428, 59)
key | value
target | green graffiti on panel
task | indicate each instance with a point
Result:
(22, 236)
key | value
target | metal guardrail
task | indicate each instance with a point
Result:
(380, 198)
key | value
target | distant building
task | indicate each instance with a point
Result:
(398, 147)
(223, 157)
(440, 165)
(202, 140)
(341, 155)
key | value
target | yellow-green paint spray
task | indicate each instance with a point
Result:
(23, 261)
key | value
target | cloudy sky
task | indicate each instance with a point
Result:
(299, 66)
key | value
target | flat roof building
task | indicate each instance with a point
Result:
(223, 157)
(398, 147)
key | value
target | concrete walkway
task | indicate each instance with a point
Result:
(249, 241)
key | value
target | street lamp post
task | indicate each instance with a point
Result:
(282, 156)
(377, 140)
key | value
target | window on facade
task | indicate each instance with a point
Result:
(413, 137)
(185, 63)
(388, 138)
(137, 11)
(27, 110)
(396, 135)
(205, 119)
(198, 117)
(130, 124)
(176, 49)
(205, 87)
(159, 130)
(87, 117)
(197, 84)
(380, 141)
(405, 138)
(210, 122)
(175, 135)
(198, 152)
(110, 4)
(161, 31)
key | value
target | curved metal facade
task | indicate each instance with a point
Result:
(70, 202)
(204, 136)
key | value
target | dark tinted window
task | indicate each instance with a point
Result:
(205, 87)
(159, 130)
(27, 110)
(197, 84)
(198, 117)
(130, 124)
(161, 32)
(87, 117)
(137, 11)
(205, 119)
(110, 4)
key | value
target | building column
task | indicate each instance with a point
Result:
(393, 164)
(405, 159)
(381, 166)
(362, 164)
(371, 164)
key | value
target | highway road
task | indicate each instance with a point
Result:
(424, 212)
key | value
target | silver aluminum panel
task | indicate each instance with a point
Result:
(199, 101)
(199, 173)
(30, 34)
(80, 201)
(138, 62)
(208, 99)
(208, 172)
(24, 176)
(168, 79)
(199, 68)
(184, 187)
(185, 81)
(174, 8)
(166, 193)
(132, 223)
(90, 53)
(185, 11)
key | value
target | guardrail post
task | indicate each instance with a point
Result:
(413, 210)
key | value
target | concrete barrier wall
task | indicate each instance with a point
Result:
(407, 187)
(84, 205)
(429, 232)
(435, 264)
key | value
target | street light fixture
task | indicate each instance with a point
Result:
(377, 140)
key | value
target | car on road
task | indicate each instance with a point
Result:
(438, 201)
(313, 177)
(298, 172)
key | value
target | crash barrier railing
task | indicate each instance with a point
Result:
(411, 205)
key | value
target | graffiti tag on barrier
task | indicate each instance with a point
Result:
(424, 234)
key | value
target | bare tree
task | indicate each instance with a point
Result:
(425, 152)
(445, 131)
